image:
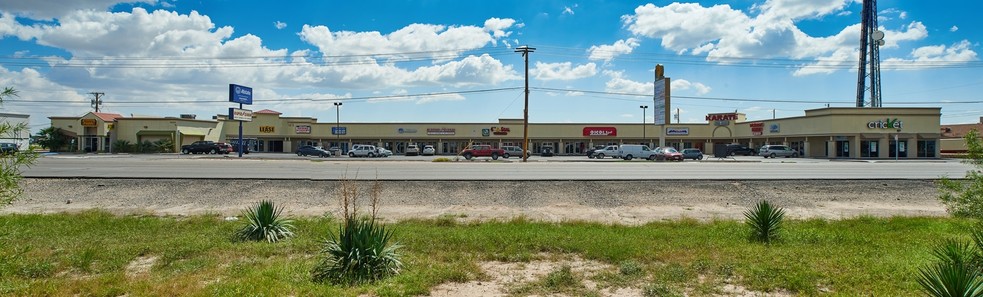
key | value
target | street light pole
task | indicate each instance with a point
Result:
(644, 107)
(337, 126)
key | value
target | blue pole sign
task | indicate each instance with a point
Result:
(240, 94)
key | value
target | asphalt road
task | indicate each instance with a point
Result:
(286, 166)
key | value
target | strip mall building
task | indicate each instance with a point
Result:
(821, 133)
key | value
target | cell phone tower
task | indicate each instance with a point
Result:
(871, 40)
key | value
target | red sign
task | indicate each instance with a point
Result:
(500, 130)
(722, 117)
(757, 128)
(600, 131)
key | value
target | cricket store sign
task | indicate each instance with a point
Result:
(600, 131)
(885, 124)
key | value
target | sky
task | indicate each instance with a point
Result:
(436, 61)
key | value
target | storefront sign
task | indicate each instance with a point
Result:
(757, 128)
(485, 132)
(302, 129)
(722, 117)
(773, 128)
(406, 130)
(600, 131)
(339, 130)
(266, 129)
(500, 130)
(441, 131)
(88, 122)
(240, 94)
(677, 131)
(721, 123)
(243, 115)
(885, 124)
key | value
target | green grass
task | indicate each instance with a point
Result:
(88, 254)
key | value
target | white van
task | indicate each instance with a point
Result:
(631, 151)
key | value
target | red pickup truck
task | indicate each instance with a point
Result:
(481, 150)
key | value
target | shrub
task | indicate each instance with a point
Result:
(264, 223)
(630, 267)
(954, 274)
(966, 199)
(765, 221)
(442, 159)
(122, 146)
(363, 251)
(165, 145)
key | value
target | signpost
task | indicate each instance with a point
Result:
(242, 95)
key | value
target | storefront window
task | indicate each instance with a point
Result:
(926, 148)
(868, 149)
(898, 149)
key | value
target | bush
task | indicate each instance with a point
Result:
(164, 145)
(264, 223)
(955, 273)
(966, 199)
(765, 221)
(363, 251)
(442, 159)
(122, 146)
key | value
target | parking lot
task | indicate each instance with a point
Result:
(533, 158)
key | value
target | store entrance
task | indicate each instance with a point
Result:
(842, 149)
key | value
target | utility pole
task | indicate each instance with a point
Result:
(337, 126)
(677, 116)
(525, 50)
(772, 114)
(96, 102)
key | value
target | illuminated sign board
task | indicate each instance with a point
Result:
(302, 129)
(600, 131)
(237, 114)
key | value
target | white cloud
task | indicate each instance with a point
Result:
(440, 97)
(50, 9)
(903, 15)
(562, 71)
(472, 70)
(568, 9)
(934, 56)
(608, 52)
(618, 84)
(279, 25)
(627, 115)
(953, 29)
(682, 85)
(723, 33)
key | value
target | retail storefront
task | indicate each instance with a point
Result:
(820, 133)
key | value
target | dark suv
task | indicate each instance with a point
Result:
(737, 149)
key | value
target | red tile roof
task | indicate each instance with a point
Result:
(959, 130)
(267, 111)
(107, 117)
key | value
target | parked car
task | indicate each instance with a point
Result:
(412, 150)
(590, 151)
(201, 147)
(334, 150)
(428, 150)
(224, 148)
(777, 151)
(363, 150)
(7, 148)
(235, 149)
(692, 153)
(546, 151)
(310, 150)
(737, 149)
(608, 151)
(511, 150)
(668, 153)
(631, 151)
(482, 150)
(383, 152)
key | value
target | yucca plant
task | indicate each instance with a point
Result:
(765, 221)
(955, 273)
(362, 252)
(265, 223)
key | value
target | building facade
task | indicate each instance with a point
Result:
(821, 133)
(21, 137)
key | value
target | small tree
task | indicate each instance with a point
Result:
(10, 164)
(965, 199)
(52, 138)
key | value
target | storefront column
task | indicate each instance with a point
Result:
(912, 146)
(559, 149)
(855, 146)
(883, 146)
(831, 147)
(806, 150)
(708, 147)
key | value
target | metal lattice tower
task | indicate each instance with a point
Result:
(871, 40)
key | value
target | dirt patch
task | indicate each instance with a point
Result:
(501, 276)
(625, 202)
(140, 266)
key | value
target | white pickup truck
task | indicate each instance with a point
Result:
(608, 151)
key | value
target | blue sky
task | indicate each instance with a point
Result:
(454, 61)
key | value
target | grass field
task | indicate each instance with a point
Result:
(92, 254)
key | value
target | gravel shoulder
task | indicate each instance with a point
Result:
(625, 202)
